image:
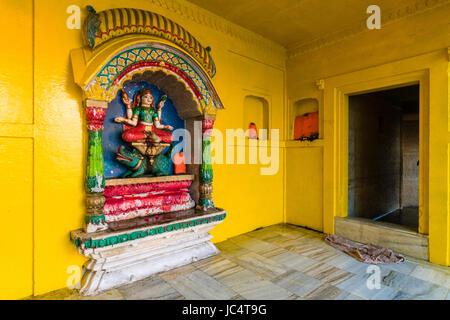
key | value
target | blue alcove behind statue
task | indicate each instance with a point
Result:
(112, 132)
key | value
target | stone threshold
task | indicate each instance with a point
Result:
(397, 238)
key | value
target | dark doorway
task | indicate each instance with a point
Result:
(383, 173)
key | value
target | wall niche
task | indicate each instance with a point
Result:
(304, 120)
(256, 117)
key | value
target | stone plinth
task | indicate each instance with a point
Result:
(118, 258)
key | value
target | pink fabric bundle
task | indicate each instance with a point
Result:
(125, 202)
(115, 206)
(368, 253)
(133, 189)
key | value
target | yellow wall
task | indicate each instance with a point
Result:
(16, 150)
(43, 136)
(408, 49)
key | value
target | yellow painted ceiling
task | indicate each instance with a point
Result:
(293, 23)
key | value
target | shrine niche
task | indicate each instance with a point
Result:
(149, 203)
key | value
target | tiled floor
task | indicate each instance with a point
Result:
(282, 262)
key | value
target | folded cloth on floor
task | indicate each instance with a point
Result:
(368, 253)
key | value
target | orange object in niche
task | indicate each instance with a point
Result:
(179, 163)
(306, 126)
(252, 131)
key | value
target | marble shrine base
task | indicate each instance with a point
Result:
(118, 258)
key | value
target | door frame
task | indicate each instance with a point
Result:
(431, 72)
(337, 151)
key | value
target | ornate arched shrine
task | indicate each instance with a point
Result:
(146, 75)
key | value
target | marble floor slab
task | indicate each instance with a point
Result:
(282, 262)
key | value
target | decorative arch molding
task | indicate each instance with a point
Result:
(121, 65)
(109, 24)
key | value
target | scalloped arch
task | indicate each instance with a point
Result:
(109, 24)
(137, 58)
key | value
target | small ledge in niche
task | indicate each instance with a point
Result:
(303, 144)
(251, 143)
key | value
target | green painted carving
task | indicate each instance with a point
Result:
(206, 203)
(95, 219)
(116, 65)
(206, 171)
(92, 25)
(95, 176)
(161, 165)
(109, 241)
(133, 160)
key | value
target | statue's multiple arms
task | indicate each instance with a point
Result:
(160, 126)
(129, 120)
(133, 121)
(161, 104)
(156, 121)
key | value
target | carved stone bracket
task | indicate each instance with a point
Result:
(206, 173)
(320, 84)
(95, 176)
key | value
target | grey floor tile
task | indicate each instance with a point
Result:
(266, 268)
(262, 290)
(353, 297)
(385, 293)
(199, 286)
(326, 292)
(216, 266)
(402, 296)
(297, 282)
(236, 276)
(420, 289)
(154, 288)
(403, 267)
(355, 266)
(293, 260)
(327, 273)
(435, 276)
(392, 278)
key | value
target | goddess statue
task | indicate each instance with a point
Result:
(143, 120)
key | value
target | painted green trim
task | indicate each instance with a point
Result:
(95, 219)
(95, 173)
(206, 171)
(206, 203)
(124, 59)
(109, 241)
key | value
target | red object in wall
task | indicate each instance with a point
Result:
(306, 126)
(179, 163)
(252, 131)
